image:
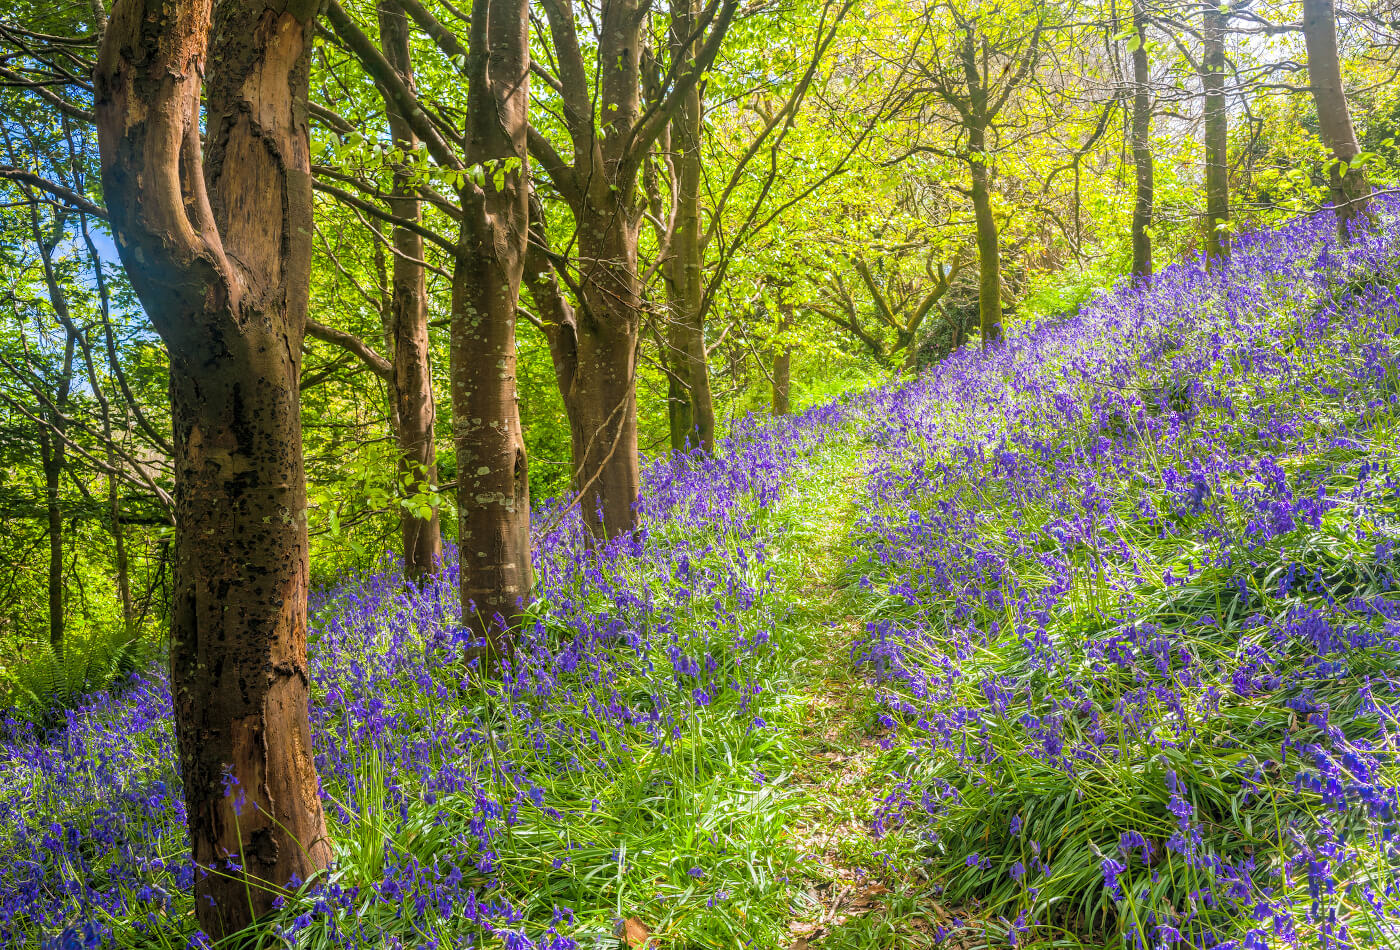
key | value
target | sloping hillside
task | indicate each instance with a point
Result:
(1091, 641)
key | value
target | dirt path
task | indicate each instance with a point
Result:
(849, 899)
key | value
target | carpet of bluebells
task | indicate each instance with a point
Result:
(1127, 610)
(621, 766)
(1131, 612)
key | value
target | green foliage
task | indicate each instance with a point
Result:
(41, 682)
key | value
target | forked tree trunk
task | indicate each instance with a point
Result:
(1142, 149)
(1351, 191)
(1216, 133)
(692, 403)
(414, 409)
(610, 136)
(219, 251)
(988, 249)
(492, 469)
(594, 366)
(569, 346)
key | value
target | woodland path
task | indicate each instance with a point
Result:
(848, 899)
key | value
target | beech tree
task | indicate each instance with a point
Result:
(407, 371)
(492, 467)
(1141, 133)
(691, 402)
(900, 302)
(976, 75)
(214, 228)
(1216, 134)
(1350, 189)
(485, 163)
(414, 408)
(609, 131)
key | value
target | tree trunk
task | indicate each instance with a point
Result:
(1217, 130)
(114, 510)
(1142, 150)
(51, 455)
(414, 410)
(782, 364)
(1351, 191)
(595, 367)
(692, 403)
(492, 470)
(603, 418)
(219, 253)
(988, 249)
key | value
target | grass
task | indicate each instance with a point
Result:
(1126, 717)
(1081, 646)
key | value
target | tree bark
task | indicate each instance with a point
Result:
(610, 137)
(216, 237)
(415, 412)
(1351, 191)
(1216, 132)
(595, 368)
(1142, 150)
(988, 249)
(52, 447)
(492, 468)
(603, 422)
(51, 456)
(114, 509)
(782, 364)
(692, 403)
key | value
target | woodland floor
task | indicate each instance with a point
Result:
(851, 899)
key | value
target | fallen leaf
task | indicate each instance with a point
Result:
(635, 933)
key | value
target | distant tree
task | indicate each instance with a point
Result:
(407, 370)
(976, 72)
(1216, 133)
(692, 402)
(900, 301)
(1142, 145)
(610, 130)
(485, 164)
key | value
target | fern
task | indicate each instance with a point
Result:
(45, 681)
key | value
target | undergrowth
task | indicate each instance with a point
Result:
(1130, 607)
(1115, 635)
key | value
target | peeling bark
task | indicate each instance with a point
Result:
(215, 233)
